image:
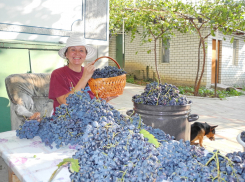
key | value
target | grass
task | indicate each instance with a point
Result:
(131, 79)
(209, 92)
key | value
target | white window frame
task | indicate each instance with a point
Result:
(235, 48)
(165, 52)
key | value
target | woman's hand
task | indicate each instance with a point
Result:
(107, 99)
(35, 116)
(88, 70)
(87, 74)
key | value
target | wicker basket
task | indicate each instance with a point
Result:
(108, 87)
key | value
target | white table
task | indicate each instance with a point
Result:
(31, 160)
(19, 156)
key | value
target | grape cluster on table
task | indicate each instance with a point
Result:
(107, 72)
(28, 130)
(110, 147)
(160, 94)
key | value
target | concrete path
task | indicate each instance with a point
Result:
(228, 114)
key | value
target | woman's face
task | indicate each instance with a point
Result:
(76, 55)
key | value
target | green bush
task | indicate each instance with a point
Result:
(130, 80)
(186, 90)
(209, 92)
(234, 93)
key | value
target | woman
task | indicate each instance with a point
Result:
(72, 77)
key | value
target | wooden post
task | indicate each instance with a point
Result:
(216, 65)
(12, 176)
(143, 74)
(147, 73)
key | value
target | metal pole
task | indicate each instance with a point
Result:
(123, 44)
(29, 60)
(216, 66)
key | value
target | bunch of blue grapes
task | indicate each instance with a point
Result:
(243, 136)
(176, 157)
(107, 72)
(184, 162)
(136, 120)
(223, 168)
(235, 165)
(160, 94)
(68, 124)
(45, 132)
(28, 130)
(112, 152)
(111, 148)
(160, 135)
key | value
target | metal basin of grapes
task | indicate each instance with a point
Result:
(240, 141)
(173, 120)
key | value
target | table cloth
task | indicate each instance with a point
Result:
(31, 160)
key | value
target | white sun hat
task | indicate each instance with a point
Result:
(77, 40)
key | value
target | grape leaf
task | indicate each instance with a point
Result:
(151, 138)
(74, 164)
(73, 167)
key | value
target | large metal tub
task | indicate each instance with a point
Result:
(173, 120)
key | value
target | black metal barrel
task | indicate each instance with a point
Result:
(173, 120)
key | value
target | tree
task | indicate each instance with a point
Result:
(226, 16)
(157, 23)
(159, 19)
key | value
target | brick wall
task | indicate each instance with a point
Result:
(229, 73)
(112, 50)
(137, 58)
(182, 67)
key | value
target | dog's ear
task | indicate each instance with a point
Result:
(213, 127)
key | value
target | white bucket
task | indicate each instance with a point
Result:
(238, 138)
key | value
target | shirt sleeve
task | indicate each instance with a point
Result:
(58, 85)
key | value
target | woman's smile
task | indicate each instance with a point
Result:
(76, 56)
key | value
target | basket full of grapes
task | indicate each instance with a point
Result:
(241, 139)
(161, 106)
(108, 81)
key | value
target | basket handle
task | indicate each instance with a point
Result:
(108, 58)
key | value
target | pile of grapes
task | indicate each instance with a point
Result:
(29, 130)
(243, 136)
(107, 72)
(114, 147)
(160, 94)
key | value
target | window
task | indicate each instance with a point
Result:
(235, 52)
(165, 51)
